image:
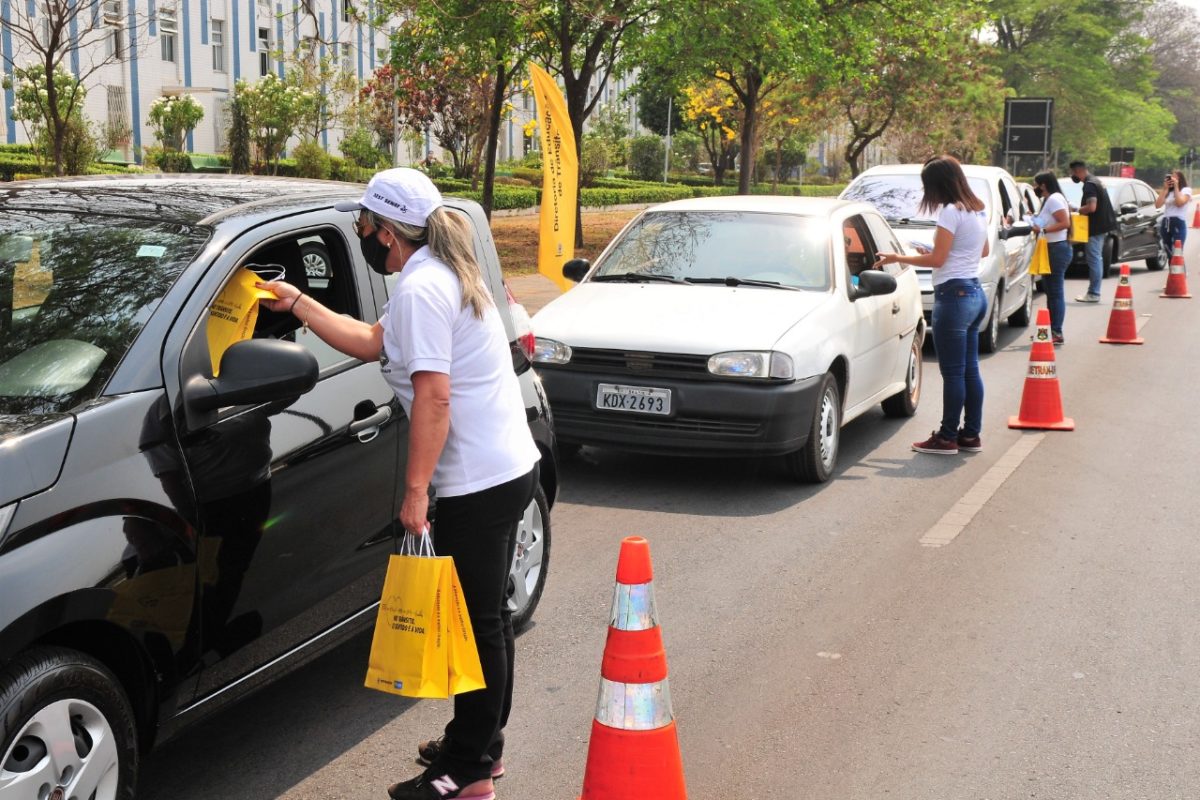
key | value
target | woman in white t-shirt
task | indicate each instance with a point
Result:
(1175, 199)
(442, 348)
(1053, 221)
(959, 303)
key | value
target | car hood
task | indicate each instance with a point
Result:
(32, 449)
(671, 318)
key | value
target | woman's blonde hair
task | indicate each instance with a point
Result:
(449, 237)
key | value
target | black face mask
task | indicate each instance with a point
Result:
(1038, 191)
(1077, 179)
(375, 252)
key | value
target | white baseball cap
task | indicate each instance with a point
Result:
(403, 194)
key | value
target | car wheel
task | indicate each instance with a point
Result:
(531, 560)
(1158, 261)
(66, 729)
(1024, 315)
(814, 462)
(1107, 255)
(989, 337)
(316, 260)
(904, 403)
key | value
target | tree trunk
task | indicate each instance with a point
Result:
(576, 103)
(746, 156)
(493, 139)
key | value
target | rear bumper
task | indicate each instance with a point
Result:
(718, 418)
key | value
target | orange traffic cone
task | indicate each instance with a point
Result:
(1196, 217)
(1122, 324)
(634, 750)
(1041, 403)
(1177, 275)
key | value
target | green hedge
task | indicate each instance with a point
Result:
(503, 197)
(15, 162)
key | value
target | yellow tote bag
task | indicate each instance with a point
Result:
(232, 315)
(1040, 263)
(1079, 228)
(410, 648)
(466, 674)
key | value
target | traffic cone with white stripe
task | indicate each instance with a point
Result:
(1177, 276)
(1041, 401)
(1122, 322)
(634, 750)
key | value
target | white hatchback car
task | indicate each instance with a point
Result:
(734, 326)
(895, 189)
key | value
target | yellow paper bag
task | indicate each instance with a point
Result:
(409, 651)
(1079, 228)
(1040, 263)
(466, 673)
(232, 315)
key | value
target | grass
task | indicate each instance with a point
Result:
(517, 238)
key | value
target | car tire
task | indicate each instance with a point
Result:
(989, 337)
(1159, 261)
(814, 462)
(315, 259)
(1107, 255)
(54, 690)
(531, 560)
(1023, 315)
(904, 402)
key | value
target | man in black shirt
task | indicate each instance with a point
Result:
(1098, 211)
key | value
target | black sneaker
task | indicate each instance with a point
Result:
(428, 753)
(969, 444)
(428, 786)
(1057, 339)
(937, 445)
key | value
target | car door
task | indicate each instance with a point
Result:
(295, 501)
(1018, 250)
(873, 321)
(1148, 217)
(905, 307)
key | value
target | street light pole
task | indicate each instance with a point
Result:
(395, 123)
(667, 154)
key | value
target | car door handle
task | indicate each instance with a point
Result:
(895, 308)
(367, 428)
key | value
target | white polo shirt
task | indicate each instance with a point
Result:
(969, 229)
(1170, 209)
(427, 329)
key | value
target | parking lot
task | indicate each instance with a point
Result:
(816, 647)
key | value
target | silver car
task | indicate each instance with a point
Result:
(895, 189)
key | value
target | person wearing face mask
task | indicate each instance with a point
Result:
(1054, 220)
(442, 348)
(1096, 206)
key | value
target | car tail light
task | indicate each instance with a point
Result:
(521, 324)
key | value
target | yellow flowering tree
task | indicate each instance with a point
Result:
(712, 111)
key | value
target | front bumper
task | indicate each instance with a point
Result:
(708, 417)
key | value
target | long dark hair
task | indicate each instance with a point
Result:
(1180, 179)
(945, 184)
(1048, 182)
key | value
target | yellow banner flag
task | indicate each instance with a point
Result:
(560, 179)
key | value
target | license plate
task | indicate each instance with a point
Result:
(638, 399)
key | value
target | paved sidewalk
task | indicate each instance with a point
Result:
(532, 291)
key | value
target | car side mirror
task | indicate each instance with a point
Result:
(576, 269)
(872, 282)
(255, 371)
(1129, 208)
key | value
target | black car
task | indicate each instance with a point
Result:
(171, 540)
(1136, 237)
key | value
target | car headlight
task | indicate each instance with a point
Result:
(752, 364)
(548, 351)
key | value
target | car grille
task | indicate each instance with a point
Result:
(625, 362)
(616, 421)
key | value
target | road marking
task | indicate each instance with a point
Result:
(961, 513)
(1142, 321)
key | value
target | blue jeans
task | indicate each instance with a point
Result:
(959, 307)
(1052, 284)
(1172, 229)
(1095, 259)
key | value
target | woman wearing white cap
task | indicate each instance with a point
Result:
(443, 350)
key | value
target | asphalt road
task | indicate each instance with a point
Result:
(817, 649)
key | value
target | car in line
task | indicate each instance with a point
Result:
(734, 326)
(895, 189)
(173, 538)
(1136, 237)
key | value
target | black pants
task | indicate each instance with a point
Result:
(480, 532)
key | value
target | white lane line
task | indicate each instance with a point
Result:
(1142, 320)
(961, 513)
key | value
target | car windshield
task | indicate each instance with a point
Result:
(1074, 192)
(721, 247)
(898, 197)
(75, 290)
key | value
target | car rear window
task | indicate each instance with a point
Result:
(898, 197)
(75, 290)
(777, 248)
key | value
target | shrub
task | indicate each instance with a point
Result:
(311, 160)
(531, 174)
(594, 161)
(646, 154)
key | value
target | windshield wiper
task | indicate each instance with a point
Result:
(730, 280)
(637, 277)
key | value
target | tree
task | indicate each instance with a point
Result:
(792, 119)
(273, 109)
(62, 31)
(173, 118)
(1171, 31)
(711, 109)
